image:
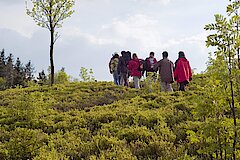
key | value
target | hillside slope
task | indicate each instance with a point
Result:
(95, 121)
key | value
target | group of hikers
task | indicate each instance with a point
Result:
(126, 65)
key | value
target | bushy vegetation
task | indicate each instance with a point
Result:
(94, 121)
(98, 120)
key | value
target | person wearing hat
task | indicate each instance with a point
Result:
(113, 67)
(183, 71)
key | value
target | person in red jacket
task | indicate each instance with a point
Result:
(133, 67)
(183, 71)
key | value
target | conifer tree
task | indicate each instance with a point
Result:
(42, 77)
(19, 76)
(9, 71)
(29, 70)
(2, 64)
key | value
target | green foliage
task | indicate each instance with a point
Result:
(102, 121)
(216, 109)
(61, 77)
(50, 13)
(2, 83)
(86, 75)
(93, 121)
(24, 143)
(151, 83)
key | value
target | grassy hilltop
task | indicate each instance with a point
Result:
(97, 121)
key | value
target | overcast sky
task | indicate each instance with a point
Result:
(98, 28)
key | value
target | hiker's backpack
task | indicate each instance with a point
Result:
(109, 64)
(142, 65)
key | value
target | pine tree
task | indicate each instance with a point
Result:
(42, 77)
(29, 69)
(9, 71)
(2, 64)
(18, 73)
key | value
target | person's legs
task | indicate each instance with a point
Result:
(169, 87)
(125, 79)
(163, 86)
(119, 79)
(122, 79)
(183, 85)
(116, 78)
(136, 82)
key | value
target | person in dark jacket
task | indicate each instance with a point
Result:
(165, 67)
(123, 70)
(183, 71)
(133, 67)
(151, 61)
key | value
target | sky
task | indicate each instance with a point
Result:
(98, 28)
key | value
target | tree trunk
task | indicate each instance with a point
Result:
(238, 50)
(235, 121)
(238, 55)
(232, 101)
(51, 56)
(225, 146)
